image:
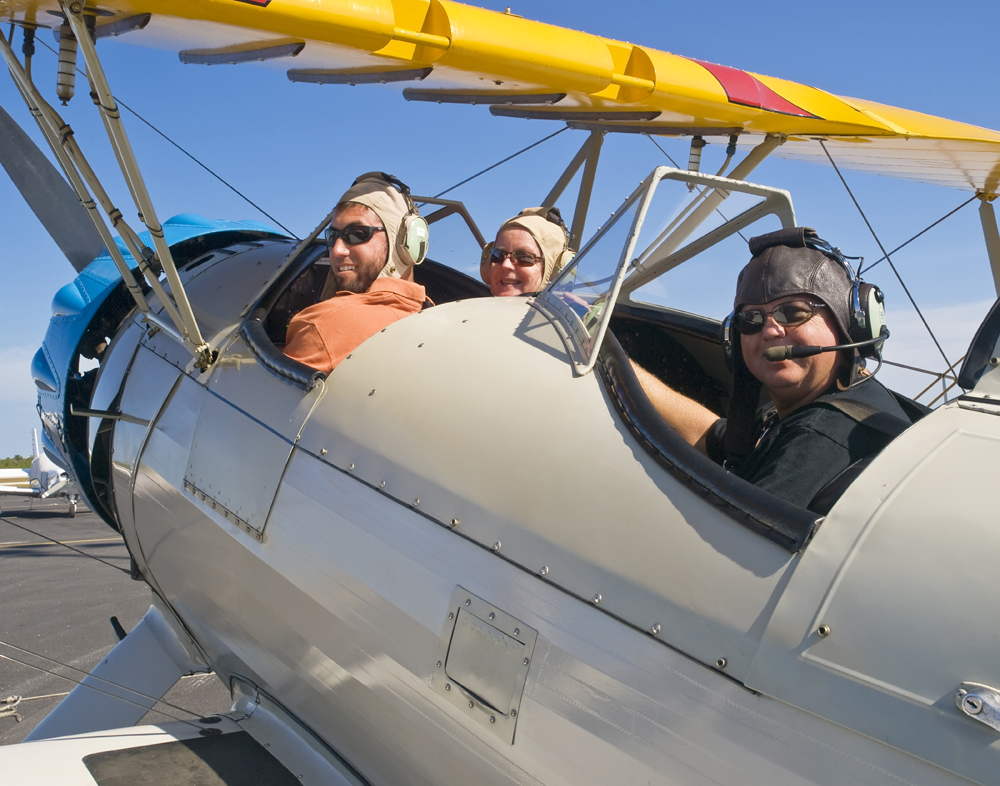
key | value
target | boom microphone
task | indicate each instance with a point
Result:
(777, 354)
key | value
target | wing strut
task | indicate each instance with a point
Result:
(60, 139)
(674, 236)
(991, 235)
(133, 177)
(589, 154)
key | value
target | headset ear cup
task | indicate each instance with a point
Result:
(873, 303)
(562, 262)
(726, 333)
(484, 262)
(413, 239)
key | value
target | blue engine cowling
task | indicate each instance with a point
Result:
(86, 313)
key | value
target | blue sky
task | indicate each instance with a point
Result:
(294, 148)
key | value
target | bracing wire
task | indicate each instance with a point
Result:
(214, 174)
(669, 157)
(65, 545)
(886, 256)
(922, 232)
(92, 687)
(938, 376)
(501, 161)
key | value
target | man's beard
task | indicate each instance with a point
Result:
(359, 282)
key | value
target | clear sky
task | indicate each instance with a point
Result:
(294, 148)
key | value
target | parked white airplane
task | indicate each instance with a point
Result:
(46, 480)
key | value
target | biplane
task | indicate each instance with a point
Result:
(398, 586)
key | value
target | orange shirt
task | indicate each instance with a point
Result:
(324, 334)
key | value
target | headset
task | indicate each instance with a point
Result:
(566, 256)
(866, 312)
(413, 235)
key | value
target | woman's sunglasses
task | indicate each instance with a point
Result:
(519, 258)
(790, 314)
(353, 235)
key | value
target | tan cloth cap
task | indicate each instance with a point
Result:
(389, 205)
(551, 238)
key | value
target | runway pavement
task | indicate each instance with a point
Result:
(62, 580)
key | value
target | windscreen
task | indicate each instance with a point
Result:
(585, 286)
(672, 218)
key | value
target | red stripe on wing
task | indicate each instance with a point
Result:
(744, 89)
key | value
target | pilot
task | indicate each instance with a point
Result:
(826, 412)
(529, 250)
(375, 238)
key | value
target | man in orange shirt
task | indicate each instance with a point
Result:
(375, 238)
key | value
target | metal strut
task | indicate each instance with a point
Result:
(60, 140)
(589, 154)
(185, 321)
(991, 235)
(80, 175)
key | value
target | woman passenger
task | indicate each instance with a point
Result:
(530, 249)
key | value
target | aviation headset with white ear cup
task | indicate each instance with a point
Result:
(866, 309)
(413, 234)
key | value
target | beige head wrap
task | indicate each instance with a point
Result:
(550, 236)
(389, 205)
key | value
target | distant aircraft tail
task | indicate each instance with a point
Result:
(34, 439)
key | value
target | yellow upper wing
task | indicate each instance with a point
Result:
(538, 70)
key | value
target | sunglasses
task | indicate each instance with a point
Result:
(519, 258)
(790, 314)
(354, 235)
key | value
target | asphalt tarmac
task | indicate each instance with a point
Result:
(61, 580)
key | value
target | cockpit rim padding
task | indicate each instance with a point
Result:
(273, 359)
(781, 522)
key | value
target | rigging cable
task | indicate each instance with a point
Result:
(189, 155)
(66, 545)
(921, 232)
(78, 682)
(502, 161)
(886, 256)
